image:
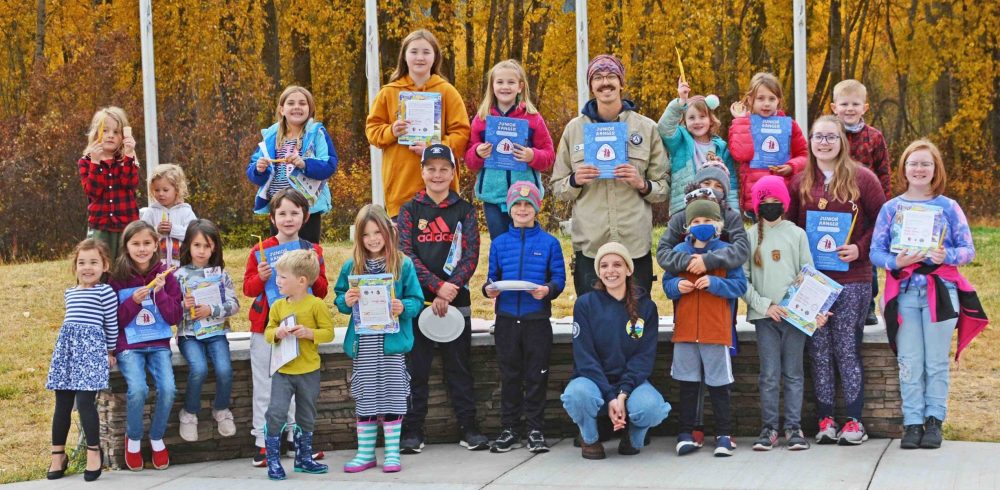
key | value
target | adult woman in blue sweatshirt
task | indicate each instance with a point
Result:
(614, 346)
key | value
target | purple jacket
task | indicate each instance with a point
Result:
(167, 300)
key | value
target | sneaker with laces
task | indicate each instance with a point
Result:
(189, 426)
(724, 446)
(827, 431)
(698, 435)
(932, 434)
(912, 435)
(536, 442)
(852, 434)
(473, 440)
(260, 459)
(767, 440)
(411, 443)
(685, 444)
(224, 422)
(795, 439)
(507, 440)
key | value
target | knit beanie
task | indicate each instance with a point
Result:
(606, 62)
(715, 171)
(523, 190)
(702, 208)
(769, 186)
(616, 249)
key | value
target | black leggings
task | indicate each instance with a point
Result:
(61, 419)
(389, 417)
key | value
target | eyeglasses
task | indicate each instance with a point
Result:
(825, 138)
(604, 77)
(916, 164)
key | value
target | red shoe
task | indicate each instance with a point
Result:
(319, 455)
(698, 435)
(133, 460)
(161, 459)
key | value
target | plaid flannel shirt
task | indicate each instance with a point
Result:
(868, 147)
(110, 188)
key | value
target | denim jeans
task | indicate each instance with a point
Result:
(198, 353)
(133, 364)
(780, 349)
(923, 353)
(646, 408)
(497, 221)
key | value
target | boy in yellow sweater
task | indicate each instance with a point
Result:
(303, 318)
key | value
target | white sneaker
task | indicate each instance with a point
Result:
(852, 434)
(224, 421)
(189, 426)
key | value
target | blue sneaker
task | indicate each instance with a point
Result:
(724, 446)
(685, 444)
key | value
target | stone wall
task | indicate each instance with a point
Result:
(335, 417)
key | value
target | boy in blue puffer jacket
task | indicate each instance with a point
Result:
(523, 331)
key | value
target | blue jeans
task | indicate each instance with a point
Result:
(198, 353)
(133, 364)
(923, 352)
(497, 221)
(583, 401)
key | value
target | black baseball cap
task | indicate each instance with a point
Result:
(438, 151)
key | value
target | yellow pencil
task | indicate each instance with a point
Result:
(260, 247)
(161, 275)
(192, 308)
(680, 64)
(854, 220)
(100, 131)
(941, 238)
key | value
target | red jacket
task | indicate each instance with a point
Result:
(741, 148)
(253, 287)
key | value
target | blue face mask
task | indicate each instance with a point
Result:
(703, 232)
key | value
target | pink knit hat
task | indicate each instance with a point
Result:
(523, 190)
(769, 186)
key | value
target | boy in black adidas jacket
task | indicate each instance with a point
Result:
(438, 231)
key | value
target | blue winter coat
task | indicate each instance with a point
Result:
(318, 153)
(527, 254)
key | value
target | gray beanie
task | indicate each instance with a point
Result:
(715, 171)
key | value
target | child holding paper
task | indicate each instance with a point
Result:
(149, 302)
(834, 183)
(923, 291)
(288, 210)
(109, 173)
(523, 331)
(747, 141)
(201, 334)
(380, 384)
(303, 318)
(507, 95)
(779, 249)
(297, 152)
(168, 213)
(417, 70)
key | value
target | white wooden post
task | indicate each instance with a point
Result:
(148, 87)
(372, 71)
(801, 82)
(582, 55)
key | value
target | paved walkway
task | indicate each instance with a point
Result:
(877, 464)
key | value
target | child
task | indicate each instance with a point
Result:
(523, 332)
(380, 384)
(303, 318)
(779, 250)
(702, 328)
(83, 354)
(438, 230)
(919, 319)
(507, 95)
(300, 155)
(418, 70)
(288, 210)
(764, 99)
(833, 182)
(690, 131)
(109, 173)
(139, 275)
(850, 103)
(201, 335)
(168, 213)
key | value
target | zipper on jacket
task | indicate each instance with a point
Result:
(520, 270)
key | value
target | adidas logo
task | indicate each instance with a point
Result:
(435, 232)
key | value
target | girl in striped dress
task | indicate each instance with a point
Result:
(380, 384)
(83, 355)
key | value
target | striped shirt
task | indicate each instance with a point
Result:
(281, 170)
(94, 306)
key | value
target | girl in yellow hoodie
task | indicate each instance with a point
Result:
(418, 70)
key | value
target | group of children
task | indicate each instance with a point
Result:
(134, 275)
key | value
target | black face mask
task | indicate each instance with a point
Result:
(770, 211)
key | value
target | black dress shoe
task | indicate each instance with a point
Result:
(91, 475)
(57, 474)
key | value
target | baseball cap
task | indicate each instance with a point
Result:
(438, 151)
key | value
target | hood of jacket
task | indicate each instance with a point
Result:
(590, 109)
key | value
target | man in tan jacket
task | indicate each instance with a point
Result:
(619, 209)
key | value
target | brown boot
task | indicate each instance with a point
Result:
(592, 451)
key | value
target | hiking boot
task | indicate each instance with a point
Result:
(795, 439)
(852, 434)
(685, 444)
(412, 443)
(189, 426)
(912, 435)
(767, 440)
(827, 431)
(625, 447)
(724, 446)
(932, 434)
(592, 451)
(536, 442)
(473, 440)
(507, 440)
(224, 422)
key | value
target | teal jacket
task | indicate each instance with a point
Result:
(407, 289)
(680, 146)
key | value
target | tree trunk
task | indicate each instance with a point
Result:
(359, 91)
(301, 60)
(39, 31)
(490, 27)
(517, 44)
(536, 44)
(270, 54)
(470, 38)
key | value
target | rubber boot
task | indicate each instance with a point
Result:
(304, 462)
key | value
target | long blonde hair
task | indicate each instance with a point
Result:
(402, 69)
(844, 182)
(97, 124)
(490, 99)
(768, 81)
(393, 257)
(280, 119)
